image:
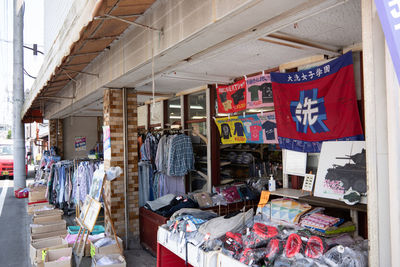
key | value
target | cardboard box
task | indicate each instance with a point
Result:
(106, 250)
(87, 248)
(47, 227)
(62, 233)
(47, 212)
(47, 218)
(35, 207)
(38, 246)
(114, 256)
(37, 194)
(52, 256)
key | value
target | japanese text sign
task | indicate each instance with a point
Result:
(259, 91)
(389, 15)
(315, 105)
(255, 128)
(232, 98)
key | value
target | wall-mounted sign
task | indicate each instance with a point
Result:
(80, 143)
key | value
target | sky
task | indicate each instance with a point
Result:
(33, 34)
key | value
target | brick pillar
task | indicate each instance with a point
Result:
(56, 135)
(114, 190)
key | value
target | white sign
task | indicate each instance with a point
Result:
(308, 182)
(106, 142)
(295, 162)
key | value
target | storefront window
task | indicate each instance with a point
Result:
(197, 106)
(174, 111)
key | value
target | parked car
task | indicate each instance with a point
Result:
(7, 159)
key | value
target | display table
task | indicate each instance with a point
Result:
(149, 221)
(172, 252)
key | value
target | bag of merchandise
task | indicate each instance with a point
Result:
(273, 250)
(232, 244)
(259, 235)
(315, 247)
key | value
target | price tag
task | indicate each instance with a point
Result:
(44, 253)
(92, 250)
(207, 236)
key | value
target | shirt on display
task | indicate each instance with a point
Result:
(239, 131)
(255, 132)
(269, 128)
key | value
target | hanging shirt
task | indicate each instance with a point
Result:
(254, 92)
(269, 128)
(239, 131)
(255, 132)
(181, 156)
(266, 89)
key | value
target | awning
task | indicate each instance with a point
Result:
(87, 31)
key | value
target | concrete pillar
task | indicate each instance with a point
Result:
(376, 132)
(56, 135)
(114, 190)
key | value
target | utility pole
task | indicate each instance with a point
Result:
(18, 131)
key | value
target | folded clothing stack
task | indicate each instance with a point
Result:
(319, 221)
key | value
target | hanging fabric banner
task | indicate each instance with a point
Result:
(316, 105)
(232, 98)
(255, 128)
(259, 91)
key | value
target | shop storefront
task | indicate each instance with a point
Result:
(270, 131)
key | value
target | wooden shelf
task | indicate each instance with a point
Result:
(332, 203)
(317, 201)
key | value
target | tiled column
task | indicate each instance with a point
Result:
(114, 190)
(56, 135)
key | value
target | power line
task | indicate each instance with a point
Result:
(28, 74)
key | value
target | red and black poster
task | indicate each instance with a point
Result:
(232, 98)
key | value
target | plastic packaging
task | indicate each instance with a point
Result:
(273, 250)
(259, 235)
(232, 244)
(293, 246)
(251, 256)
(113, 173)
(315, 247)
(345, 256)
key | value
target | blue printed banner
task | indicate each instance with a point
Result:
(389, 15)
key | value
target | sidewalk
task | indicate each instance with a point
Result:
(15, 237)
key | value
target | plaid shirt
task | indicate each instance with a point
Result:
(181, 158)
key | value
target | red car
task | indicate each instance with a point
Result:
(7, 160)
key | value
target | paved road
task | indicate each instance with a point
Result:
(14, 221)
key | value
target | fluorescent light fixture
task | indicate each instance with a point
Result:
(174, 117)
(192, 107)
(198, 117)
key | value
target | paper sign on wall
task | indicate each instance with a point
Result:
(232, 98)
(107, 142)
(255, 128)
(80, 143)
(259, 91)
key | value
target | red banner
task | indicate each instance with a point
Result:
(232, 98)
(317, 104)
